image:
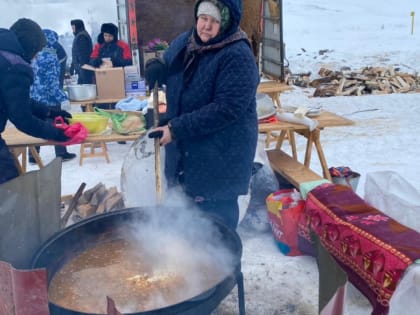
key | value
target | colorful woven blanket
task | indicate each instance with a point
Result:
(371, 247)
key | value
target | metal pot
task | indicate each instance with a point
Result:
(82, 92)
(74, 240)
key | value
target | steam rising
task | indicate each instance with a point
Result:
(177, 237)
(180, 240)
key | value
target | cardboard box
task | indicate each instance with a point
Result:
(131, 73)
(109, 82)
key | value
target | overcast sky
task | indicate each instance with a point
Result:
(56, 14)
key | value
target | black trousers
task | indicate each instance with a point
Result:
(8, 169)
(226, 210)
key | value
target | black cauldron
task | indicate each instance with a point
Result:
(77, 238)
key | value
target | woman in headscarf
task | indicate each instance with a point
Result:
(211, 133)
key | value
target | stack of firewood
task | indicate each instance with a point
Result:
(97, 200)
(368, 80)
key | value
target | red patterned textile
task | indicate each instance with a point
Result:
(371, 247)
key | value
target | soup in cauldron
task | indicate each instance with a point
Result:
(120, 270)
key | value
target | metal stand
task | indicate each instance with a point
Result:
(241, 292)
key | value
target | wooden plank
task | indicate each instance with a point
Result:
(292, 170)
(325, 119)
(16, 138)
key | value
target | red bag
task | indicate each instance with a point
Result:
(284, 213)
(76, 132)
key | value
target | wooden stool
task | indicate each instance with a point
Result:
(91, 149)
(21, 152)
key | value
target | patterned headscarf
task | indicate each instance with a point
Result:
(225, 18)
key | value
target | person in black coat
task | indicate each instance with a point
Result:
(18, 46)
(109, 46)
(80, 52)
(211, 132)
(62, 59)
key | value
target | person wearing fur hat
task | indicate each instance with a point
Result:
(211, 132)
(18, 46)
(80, 52)
(109, 46)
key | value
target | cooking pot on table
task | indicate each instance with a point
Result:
(75, 239)
(82, 92)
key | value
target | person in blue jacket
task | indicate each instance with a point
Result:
(47, 87)
(211, 132)
(18, 46)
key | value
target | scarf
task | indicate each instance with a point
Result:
(195, 49)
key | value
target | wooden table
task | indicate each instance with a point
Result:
(273, 89)
(19, 142)
(325, 120)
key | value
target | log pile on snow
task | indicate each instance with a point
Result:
(368, 80)
(95, 200)
(99, 199)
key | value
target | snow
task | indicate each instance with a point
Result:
(356, 33)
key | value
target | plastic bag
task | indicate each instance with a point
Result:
(392, 194)
(406, 298)
(285, 208)
(124, 122)
(76, 132)
(290, 117)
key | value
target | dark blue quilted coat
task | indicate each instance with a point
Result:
(16, 77)
(213, 116)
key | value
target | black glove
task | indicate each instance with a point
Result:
(59, 112)
(156, 134)
(96, 62)
(117, 61)
(72, 69)
(155, 71)
(60, 136)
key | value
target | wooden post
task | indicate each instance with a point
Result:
(412, 21)
(157, 145)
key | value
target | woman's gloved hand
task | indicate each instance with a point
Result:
(155, 71)
(59, 112)
(96, 62)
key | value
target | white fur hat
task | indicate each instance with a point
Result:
(208, 8)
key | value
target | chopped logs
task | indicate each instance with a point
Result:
(97, 200)
(368, 80)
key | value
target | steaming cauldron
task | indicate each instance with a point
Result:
(76, 239)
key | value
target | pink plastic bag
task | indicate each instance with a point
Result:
(76, 132)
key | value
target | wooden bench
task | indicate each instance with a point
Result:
(291, 169)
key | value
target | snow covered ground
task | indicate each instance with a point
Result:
(356, 33)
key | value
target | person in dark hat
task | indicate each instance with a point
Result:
(80, 52)
(211, 130)
(18, 46)
(110, 49)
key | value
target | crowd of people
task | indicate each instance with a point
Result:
(210, 128)
(34, 59)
